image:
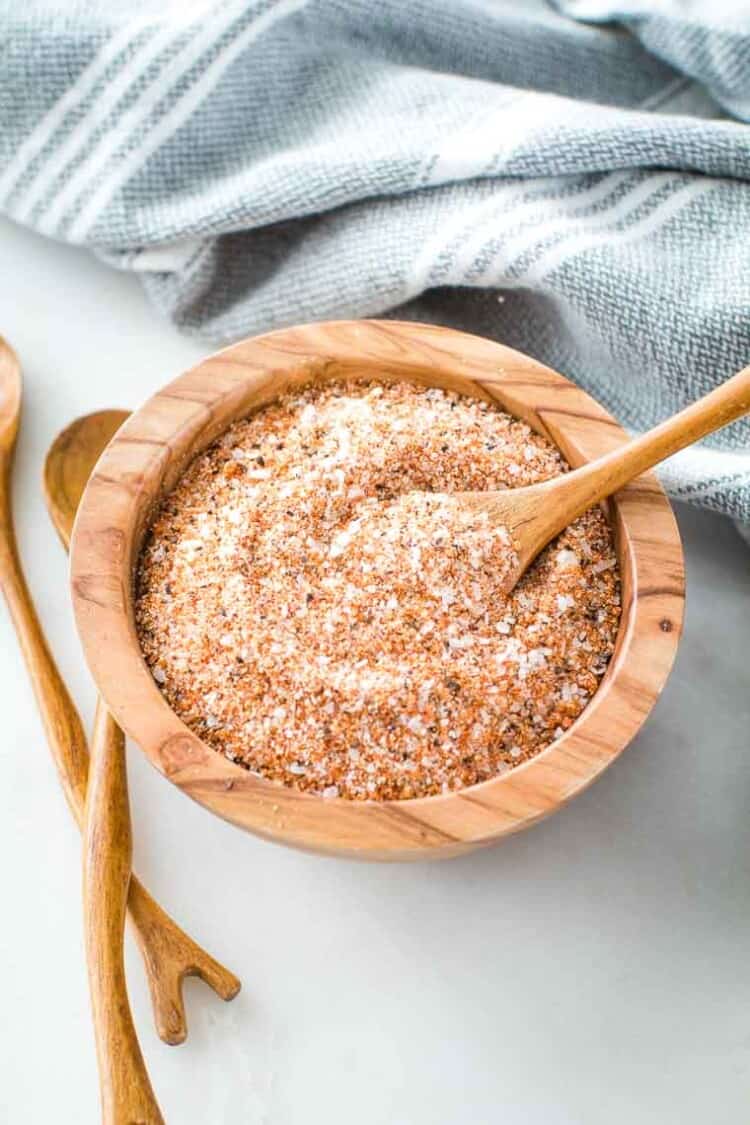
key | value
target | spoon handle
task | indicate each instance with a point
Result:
(126, 1093)
(601, 478)
(168, 952)
(62, 724)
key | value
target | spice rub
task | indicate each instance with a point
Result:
(312, 619)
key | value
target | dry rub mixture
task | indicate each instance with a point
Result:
(314, 623)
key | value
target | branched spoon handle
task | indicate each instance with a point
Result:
(169, 954)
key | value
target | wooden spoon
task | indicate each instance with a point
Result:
(126, 1092)
(169, 954)
(107, 839)
(537, 513)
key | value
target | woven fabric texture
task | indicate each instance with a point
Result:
(569, 178)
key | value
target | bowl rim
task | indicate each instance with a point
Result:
(147, 455)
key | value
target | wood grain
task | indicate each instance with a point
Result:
(127, 1097)
(534, 515)
(149, 454)
(61, 722)
(169, 954)
(126, 1093)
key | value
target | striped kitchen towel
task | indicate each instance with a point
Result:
(570, 178)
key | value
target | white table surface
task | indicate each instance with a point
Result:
(591, 971)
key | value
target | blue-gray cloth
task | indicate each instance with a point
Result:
(571, 179)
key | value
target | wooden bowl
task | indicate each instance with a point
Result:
(151, 451)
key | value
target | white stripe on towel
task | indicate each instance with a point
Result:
(180, 112)
(132, 118)
(73, 97)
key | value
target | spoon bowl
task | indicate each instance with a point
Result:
(69, 464)
(149, 454)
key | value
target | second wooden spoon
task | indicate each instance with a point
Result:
(170, 955)
(126, 1093)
